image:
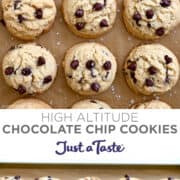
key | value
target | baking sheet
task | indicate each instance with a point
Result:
(59, 39)
(29, 172)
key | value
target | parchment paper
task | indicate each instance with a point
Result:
(59, 39)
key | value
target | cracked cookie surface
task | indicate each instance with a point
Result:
(89, 18)
(29, 104)
(27, 19)
(90, 68)
(154, 104)
(151, 69)
(151, 19)
(90, 104)
(29, 68)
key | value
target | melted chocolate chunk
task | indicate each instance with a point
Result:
(21, 18)
(104, 23)
(160, 31)
(152, 70)
(149, 14)
(165, 3)
(93, 101)
(47, 79)
(127, 177)
(80, 25)
(3, 22)
(9, 70)
(21, 89)
(16, 4)
(74, 64)
(98, 6)
(79, 13)
(17, 177)
(132, 74)
(41, 61)
(26, 71)
(90, 64)
(39, 13)
(132, 66)
(107, 65)
(137, 17)
(168, 59)
(95, 87)
(149, 83)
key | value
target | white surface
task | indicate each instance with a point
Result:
(139, 148)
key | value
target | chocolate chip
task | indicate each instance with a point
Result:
(26, 71)
(132, 74)
(149, 25)
(149, 14)
(168, 59)
(47, 79)
(149, 83)
(21, 89)
(81, 80)
(80, 25)
(9, 70)
(74, 64)
(152, 70)
(127, 177)
(93, 101)
(41, 61)
(95, 87)
(17, 177)
(104, 23)
(12, 48)
(160, 31)
(170, 178)
(3, 22)
(107, 65)
(137, 17)
(167, 79)
(21, 18)
(38, 13)
(16, 4)
(107, 74)
(132, 66)
(98, 6)
(165, 3)
(79, 13)
(90, 64)
(105, 2)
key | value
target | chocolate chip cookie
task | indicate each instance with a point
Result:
(151, 69)
(90, 68)
(89, 19)
(29, 68)
(11, 178)
(151, 19)
(47, 178)
(29, 104)
(28, 19)
(154, 104)
(90, 104)
(90, 178)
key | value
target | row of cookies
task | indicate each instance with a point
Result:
(90, 68)
(126, 177)
(89, 19)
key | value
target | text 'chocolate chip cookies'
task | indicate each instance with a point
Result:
(27, 19)
(29, 68)
(90, 68)
(89, 19)
(151, 69)
(151, 19)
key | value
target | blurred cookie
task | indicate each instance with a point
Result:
(29, 104)
(29, 68)
(11, 178)
(151, 69)
(90, 178)
(28, 19)
(90, 68)
(47, 178)
(90, 104)
(151, 19)
(154, 104)
(89, 19)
